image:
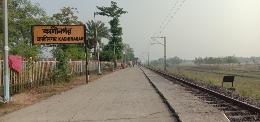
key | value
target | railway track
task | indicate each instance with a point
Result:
(236, 108)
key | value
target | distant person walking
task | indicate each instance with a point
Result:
(123, 65)
(130, 64)
(139, 63)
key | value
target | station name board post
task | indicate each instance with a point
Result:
(60, 34)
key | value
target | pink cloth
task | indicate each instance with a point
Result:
(15, 62)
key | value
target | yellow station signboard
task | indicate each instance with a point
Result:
(58, 34)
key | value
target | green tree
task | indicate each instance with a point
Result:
(21, 15)
(115, 12)
(129, 53)
(102, 32)
(231, 59)
(64, 52)
(198, 61)
(175, 60)
(211, 60)
(68, 17)
(219, 60)
(154, 63)
(253, 59)
(106, 55)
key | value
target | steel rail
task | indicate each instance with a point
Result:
(211, 92)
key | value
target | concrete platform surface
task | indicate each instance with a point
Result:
(123, 96)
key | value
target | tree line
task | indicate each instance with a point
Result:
(207, 60)
(22, 14)
(216, 60)
(170, 61)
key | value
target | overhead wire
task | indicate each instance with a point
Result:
(171, 17)
(148, 47)
(161, 26)
(166, 17)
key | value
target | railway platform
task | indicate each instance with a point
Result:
(123, 96)
(188, 107)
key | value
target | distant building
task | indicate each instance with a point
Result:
(136, 58)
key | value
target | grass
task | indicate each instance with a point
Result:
(247, 78)
(47, 95)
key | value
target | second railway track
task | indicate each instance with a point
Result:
(234, 106)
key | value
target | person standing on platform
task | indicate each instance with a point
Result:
(139, 63)
(130, 64)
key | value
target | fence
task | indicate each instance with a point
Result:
(38, 72)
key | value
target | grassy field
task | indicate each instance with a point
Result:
(247, 77)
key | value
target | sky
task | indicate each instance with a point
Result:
(193, 28)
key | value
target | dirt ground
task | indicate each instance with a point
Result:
(35, 95)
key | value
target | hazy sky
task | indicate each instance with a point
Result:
(199, 28)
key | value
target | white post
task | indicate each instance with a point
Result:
(6, 48)
(99, 71)
(81, 67)
(164, 53)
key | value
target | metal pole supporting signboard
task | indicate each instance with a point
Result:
(86, 54)
(87, 73)
(60, 34)
(6, 48)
